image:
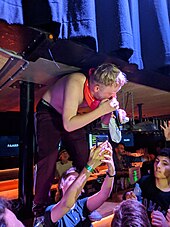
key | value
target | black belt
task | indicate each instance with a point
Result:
(44, 104)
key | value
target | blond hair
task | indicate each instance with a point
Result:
(108, 74)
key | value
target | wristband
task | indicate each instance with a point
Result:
(110, 175)
(89, 168)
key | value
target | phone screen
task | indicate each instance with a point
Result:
(100, 139)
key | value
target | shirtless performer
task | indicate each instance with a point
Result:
(71, 103)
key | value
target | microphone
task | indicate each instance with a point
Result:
(117, 119)
(124, 119)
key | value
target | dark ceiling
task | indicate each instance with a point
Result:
(29, 54)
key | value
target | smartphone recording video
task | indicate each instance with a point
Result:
(100, 139)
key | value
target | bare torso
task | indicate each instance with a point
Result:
(55, 94)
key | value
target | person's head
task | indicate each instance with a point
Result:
(120, 148)
(162, 164)
(130, 213)
(68, 178)
(159, 145)
(7, 217)
(106, 81)
(151, 157)
(63, 155)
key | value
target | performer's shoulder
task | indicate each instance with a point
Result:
(77, 76)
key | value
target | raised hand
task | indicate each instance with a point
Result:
(166, 129)
(97, 155)
(108, 158)
(130, 195)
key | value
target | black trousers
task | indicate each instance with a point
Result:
(50, 131)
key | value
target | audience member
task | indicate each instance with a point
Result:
(130, 213)
(156, 189)
(147, 167)
(73, 210)
(73, 102)
(120, 157)
(121, 164)
(63, 164)
(7, 217)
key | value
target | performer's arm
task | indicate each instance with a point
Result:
(106, 118)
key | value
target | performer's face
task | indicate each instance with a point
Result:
(162, 167)
(106, 92)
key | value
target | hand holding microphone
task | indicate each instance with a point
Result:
(118, 114)
(118, 117)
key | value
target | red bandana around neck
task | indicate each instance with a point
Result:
(91, 101)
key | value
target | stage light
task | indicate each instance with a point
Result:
(50, 36)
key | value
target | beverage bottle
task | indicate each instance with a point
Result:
(138, 192)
